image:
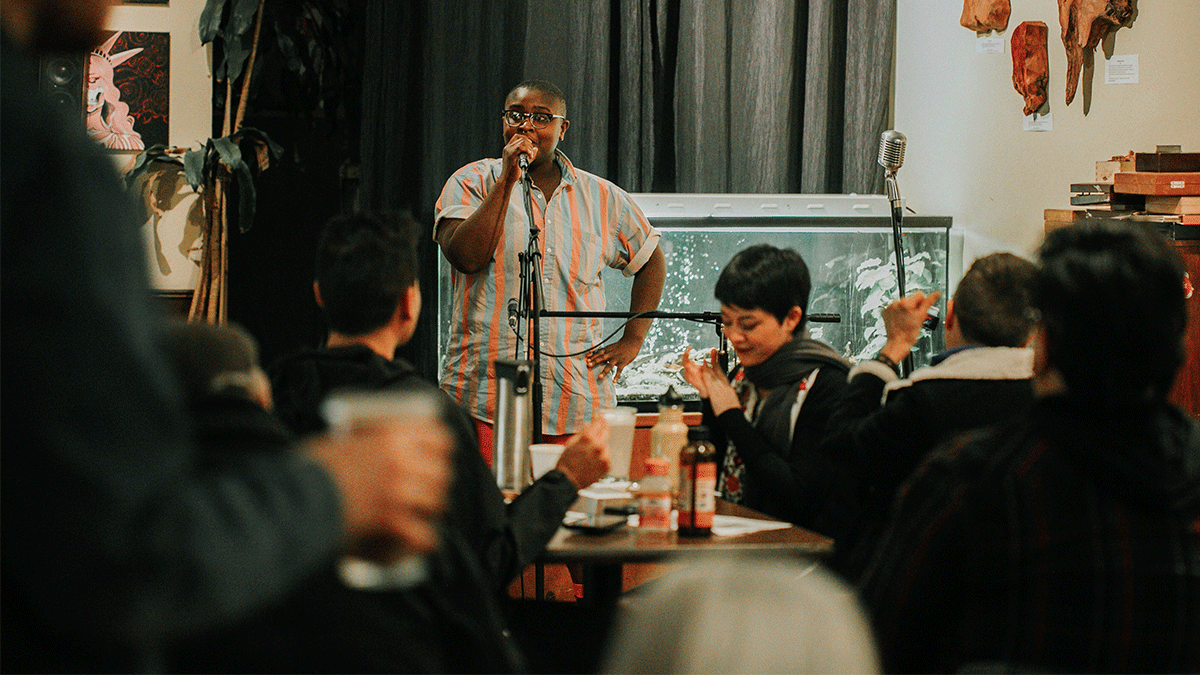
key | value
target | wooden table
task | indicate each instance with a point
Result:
(605, 554)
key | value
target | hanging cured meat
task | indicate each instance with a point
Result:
(982, 16)
(1031, 63)
(1084, 24)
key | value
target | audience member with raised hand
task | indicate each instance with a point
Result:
(1063, 539)
(887, 425)
(769, 419)
(230, 404)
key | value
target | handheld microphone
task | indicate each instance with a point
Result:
(523, 161)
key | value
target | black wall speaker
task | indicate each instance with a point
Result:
(62, 80)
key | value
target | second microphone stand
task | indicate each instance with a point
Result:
(893, 193)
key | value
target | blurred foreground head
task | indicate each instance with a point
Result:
(55, 25)
(1113, 313)
(211, 360)
(743, 615)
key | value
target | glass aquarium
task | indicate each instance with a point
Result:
(846, 240)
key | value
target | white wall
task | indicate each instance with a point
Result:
(967, 155)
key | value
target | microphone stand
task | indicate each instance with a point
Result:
(530, 303)
(893, 193)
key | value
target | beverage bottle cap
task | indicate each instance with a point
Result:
(670, 399)
(698, 433)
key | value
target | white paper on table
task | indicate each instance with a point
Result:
(723, 526)
(729, 526)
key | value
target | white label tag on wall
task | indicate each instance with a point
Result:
(1036, 122)
(1121, 70)
(989, 45)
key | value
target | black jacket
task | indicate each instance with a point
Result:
(884, 443)
(1063, 540)
(787, 475)
(452, 623)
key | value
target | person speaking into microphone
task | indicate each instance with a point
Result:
(584, 225)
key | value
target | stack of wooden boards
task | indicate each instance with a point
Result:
(1161, 189)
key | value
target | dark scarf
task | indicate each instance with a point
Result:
(781, 374)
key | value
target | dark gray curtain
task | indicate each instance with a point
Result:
(741, 96)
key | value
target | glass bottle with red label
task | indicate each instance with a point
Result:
(654, 497)
(697, 502)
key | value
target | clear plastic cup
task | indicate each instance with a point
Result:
(621, 423)
(350, 412)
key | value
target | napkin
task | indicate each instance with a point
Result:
(729, 526)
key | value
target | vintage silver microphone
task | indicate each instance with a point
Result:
(891, 157)
(891, 149)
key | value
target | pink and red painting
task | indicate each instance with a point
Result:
(128, 91)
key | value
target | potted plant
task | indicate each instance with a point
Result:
(309, 41)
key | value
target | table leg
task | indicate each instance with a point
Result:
(602, 584)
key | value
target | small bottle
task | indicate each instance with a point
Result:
(654, 496)
(697, 484)
(669, 434)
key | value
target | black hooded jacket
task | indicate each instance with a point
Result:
(450, 623)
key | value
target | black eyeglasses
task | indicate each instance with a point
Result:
(515, 118)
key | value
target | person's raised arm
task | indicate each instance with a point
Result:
(469, 244)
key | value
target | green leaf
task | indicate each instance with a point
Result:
(228, 151)
(247, 197)
(262, 137)
(237, 51)
(241, 18)
(287, 47)
(193, 167)
(231, 156)
(145, 159)
(210, 20)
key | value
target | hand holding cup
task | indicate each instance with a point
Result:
(585, 458)
(390, 456)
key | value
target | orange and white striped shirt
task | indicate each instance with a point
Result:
(587, 225)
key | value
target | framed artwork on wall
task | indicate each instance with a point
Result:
(128, 90)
